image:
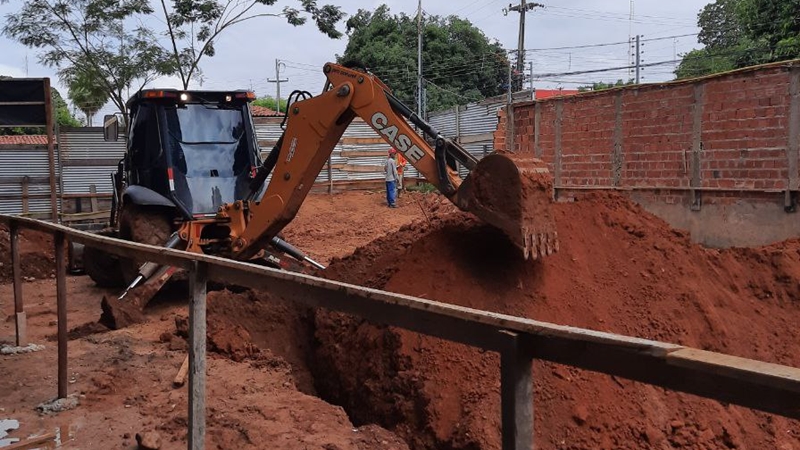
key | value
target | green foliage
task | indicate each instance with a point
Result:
(193, 26)
(269, 102)
(109, 41)
(741, 33)
(101, 36)
(601, 85)
(460, 63)
(87, 92)
(425, 188)
(62, 116)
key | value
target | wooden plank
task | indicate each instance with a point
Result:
(51, 150)
(99, 162)
(16, 276)
(473, 138)
(20, 179)
(25, 195)
(358, 168)
(93, 199)
(516, 394)
(180, 377)
(87, 195)
(61, 312)
(197, 356)
(78, 217)
(362, 140)
(362, 154)
(766, 387)
(45, 441)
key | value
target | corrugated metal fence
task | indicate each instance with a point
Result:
(85, 161)
(356, 161)
(470, 125)
(25, 180)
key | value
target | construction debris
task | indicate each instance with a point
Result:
(7, 349)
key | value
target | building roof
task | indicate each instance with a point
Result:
(25, 139)
(262, 111)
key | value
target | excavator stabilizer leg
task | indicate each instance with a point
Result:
(514, 194)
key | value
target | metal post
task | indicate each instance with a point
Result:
(516, 395)
(638, 58)
(16, 274)
(530, 68)
(198, 277)
(330, 176)
(61, 311)
(510, 88)
(51, 155)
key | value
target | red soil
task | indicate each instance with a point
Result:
(619, 269)
(36, 255)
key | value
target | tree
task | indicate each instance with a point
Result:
(741, 33)
(600, 85)
(269, 102)
(774, 24)
(460, 64)
(103, 37)
(87, 93)
(115, 41)
(194, 25)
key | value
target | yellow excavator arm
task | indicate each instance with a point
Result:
(508, 192)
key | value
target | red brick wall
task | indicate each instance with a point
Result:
(728, 132)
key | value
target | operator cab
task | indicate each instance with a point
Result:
(196, 149)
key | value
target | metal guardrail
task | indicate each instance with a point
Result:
(759, 385)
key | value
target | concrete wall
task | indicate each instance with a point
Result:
(717, 156)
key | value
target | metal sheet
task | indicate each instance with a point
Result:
(19, 162)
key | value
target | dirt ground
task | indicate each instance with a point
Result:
(260, 391)
(619, 269)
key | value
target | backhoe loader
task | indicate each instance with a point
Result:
(192, 178)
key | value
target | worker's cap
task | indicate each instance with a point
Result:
(392, 151)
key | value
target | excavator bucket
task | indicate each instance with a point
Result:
(514, 194)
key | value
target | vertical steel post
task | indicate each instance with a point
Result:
(197, 356)
(516, 395)
(61, 311)
(16, 274)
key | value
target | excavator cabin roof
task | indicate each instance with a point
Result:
(189, 96)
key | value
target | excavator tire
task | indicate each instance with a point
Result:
(103, 267)
(145, 225)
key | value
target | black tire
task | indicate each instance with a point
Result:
(103, 268)
(145, 225)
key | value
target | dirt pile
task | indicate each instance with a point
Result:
(36, 255)
(619, 269)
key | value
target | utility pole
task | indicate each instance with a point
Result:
(522, 9)
(530, 75)
(420, 89)
(278, 82)
(631, 60)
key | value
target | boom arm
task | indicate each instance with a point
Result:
(314, 127)
(511, 194)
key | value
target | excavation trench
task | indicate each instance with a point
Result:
(619, 270)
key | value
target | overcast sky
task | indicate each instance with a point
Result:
(246, 55)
